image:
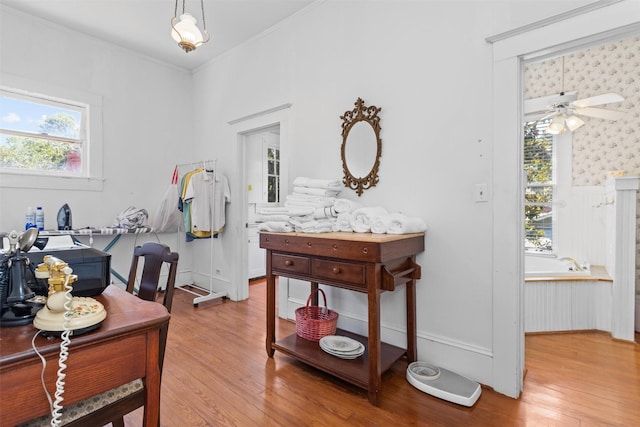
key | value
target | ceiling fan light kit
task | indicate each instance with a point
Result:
(564, 114)
(185, 31)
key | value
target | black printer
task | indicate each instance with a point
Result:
(92, 266)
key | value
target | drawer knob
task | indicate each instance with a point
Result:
(335, 247)
(286, 241)
(309, 244)
(336, 270)
(288, 263)
(365, 250)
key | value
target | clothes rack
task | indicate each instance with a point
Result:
(208, 166)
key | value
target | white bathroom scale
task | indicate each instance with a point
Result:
(443, 384)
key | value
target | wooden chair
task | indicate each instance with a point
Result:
(113, 405)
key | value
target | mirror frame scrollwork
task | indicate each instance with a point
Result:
(369, 115)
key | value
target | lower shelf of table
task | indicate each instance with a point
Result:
(354, 371)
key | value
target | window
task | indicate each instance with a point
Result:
(538, 205)
(42, 135)
(273, 175)
(79, 136)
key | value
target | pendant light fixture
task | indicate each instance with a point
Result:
(185, 31)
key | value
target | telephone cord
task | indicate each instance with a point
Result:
(64, 354)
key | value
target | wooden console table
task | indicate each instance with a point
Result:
(124, 348)
(361, 262)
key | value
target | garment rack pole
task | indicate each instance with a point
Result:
(207, 165)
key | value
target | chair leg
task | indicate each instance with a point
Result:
(118, 423)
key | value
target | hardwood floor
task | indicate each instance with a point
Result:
(217, 373)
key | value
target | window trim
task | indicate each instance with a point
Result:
(92, 179)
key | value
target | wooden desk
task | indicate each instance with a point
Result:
(123, 349)
(361, 262)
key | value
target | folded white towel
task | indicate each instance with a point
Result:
(327, 184)
(343, 222)
(287, 210)
(313, 204)
(381, 224)
(300, 198)
(276, 226)
(272, 217)
(327, 212)
(361, 219)
(346, 205)
(315, 191)
(317, 226)
(402, 224)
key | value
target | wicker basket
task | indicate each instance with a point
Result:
(313, 323)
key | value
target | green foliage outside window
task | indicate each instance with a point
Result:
(538, 166)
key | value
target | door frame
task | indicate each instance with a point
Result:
(242, 127)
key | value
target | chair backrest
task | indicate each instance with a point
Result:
(155, 255)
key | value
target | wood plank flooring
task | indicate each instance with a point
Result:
(217, 373)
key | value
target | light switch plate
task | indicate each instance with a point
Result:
(480, 193)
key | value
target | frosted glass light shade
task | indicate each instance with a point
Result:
(556, 126)
(573, 122)
(186, 33)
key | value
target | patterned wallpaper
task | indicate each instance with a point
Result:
(599, 146)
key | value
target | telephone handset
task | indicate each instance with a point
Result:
(63, 312)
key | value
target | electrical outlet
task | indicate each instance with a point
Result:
(480, 193)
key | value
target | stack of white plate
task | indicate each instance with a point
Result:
(342, 347)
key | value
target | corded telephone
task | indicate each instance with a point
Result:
(62, 311)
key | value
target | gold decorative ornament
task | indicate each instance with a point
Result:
(362, 146)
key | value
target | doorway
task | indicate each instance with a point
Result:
(600, 22)
(262, 157)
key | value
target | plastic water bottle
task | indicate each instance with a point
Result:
(40, 218)
(29, 219)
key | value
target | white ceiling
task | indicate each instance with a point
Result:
(145, 25)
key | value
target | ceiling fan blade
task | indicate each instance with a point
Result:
(605, 98)
(600, 113)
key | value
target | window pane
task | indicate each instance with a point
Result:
(538, 165)
(270, 167)
(40, 134)
(39, 154)
(39, 118)
(272, 189)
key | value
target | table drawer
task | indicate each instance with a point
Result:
(345, 272)
(290, 263)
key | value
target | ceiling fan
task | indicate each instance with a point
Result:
(565, 113)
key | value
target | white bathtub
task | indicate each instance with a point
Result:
(559, 299)
(542, 266)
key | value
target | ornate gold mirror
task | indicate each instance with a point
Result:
(361, 147)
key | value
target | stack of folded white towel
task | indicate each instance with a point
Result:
(309, 208)
(313, 207)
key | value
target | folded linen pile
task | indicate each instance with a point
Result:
(362, 218)
(315, 226)
(343, 222)
(398, 223)
(276, 226)
(278, 219)
(317, 187)
(345, 205)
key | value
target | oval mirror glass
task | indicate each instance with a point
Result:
(361, 149)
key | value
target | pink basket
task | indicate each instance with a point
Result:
(313, 323)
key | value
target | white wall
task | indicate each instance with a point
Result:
(427, 65)
(146, 125)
